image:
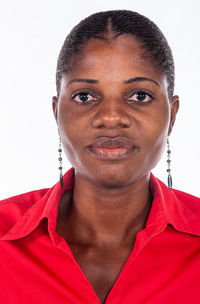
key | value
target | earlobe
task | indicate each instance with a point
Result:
(174, 105)
(55, 106)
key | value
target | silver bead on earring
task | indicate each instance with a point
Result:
(60, 162)
(169, 164)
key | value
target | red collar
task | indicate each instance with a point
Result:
(174, 207)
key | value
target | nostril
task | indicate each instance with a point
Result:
(124, 126)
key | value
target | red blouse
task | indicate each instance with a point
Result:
(37, 265)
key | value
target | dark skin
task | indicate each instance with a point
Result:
(111, 199)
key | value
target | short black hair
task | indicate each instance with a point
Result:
(118, 22)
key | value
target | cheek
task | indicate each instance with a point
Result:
(155, 130)
(73, 128)
(156, 122)
(69, 132)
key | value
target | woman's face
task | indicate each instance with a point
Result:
(108, 105)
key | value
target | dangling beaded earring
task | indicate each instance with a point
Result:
(169, 164)
(60, 162)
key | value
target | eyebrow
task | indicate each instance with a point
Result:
(130, 80)
(83, 80)
(141, 79)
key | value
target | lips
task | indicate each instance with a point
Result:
(112, 143)
(111, 147)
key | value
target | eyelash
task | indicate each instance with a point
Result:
(136, 101)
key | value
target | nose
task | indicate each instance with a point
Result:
(111, 115)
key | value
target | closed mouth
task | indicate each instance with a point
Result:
(111, 147)
(111, 153)
(111, 143)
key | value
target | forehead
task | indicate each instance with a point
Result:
(98, 49)
(119, 58)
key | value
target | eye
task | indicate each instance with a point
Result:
(82, 97)
(142, 97)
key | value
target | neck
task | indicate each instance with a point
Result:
(105, 216)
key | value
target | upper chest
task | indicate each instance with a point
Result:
(166, 270)
(101, 267)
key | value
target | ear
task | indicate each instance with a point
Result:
(55, 106)
(174, 106)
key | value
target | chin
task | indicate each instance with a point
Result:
(112, 178)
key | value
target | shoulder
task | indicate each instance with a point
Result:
(187, 199)
(174, 197)
(177, 194)
(180, 209)
(13, 208)
(185, 196)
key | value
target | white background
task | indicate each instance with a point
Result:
(32, 33)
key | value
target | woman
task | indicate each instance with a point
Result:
(109, 231)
